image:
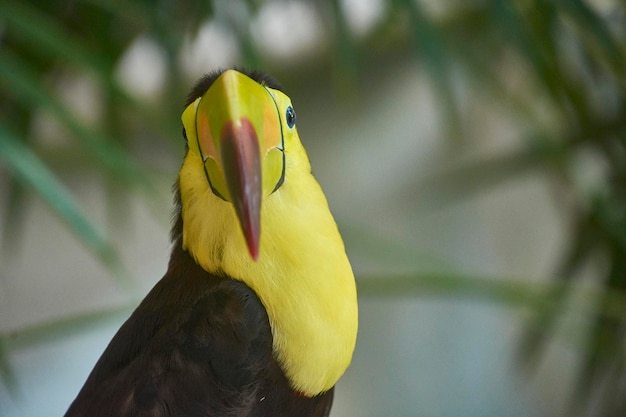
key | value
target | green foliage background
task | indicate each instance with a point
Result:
(572, 57)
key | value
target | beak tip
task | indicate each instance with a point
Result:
(253, 247)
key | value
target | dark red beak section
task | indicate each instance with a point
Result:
(241, 161)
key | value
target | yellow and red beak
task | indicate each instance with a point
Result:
(235, 128)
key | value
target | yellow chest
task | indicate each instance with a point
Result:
(302, 276)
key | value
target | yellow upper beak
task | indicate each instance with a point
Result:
(235, 128)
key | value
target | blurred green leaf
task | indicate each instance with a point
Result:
(27, 168)
(431, 48)
(507, 291)
(7, 374)
(52, 330)
(14, 215)
(468, 179)
(17, 78)
(580, 248)
(56, 329)
(45, 34)
(596, 31)
(510, 292)
(384, 250)
(346, 59)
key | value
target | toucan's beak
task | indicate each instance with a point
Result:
(235, 128)
(241, 163)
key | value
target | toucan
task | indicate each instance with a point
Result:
(257, 313)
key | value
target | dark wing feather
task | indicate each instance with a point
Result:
(198, 345)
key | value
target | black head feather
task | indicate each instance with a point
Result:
(207, 80)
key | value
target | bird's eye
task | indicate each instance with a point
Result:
(291, 117)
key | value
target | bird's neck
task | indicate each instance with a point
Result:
(302, 275)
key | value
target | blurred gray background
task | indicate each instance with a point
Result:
(473, 154)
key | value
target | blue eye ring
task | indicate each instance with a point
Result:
(290, 115)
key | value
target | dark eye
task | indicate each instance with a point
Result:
(291, 117)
